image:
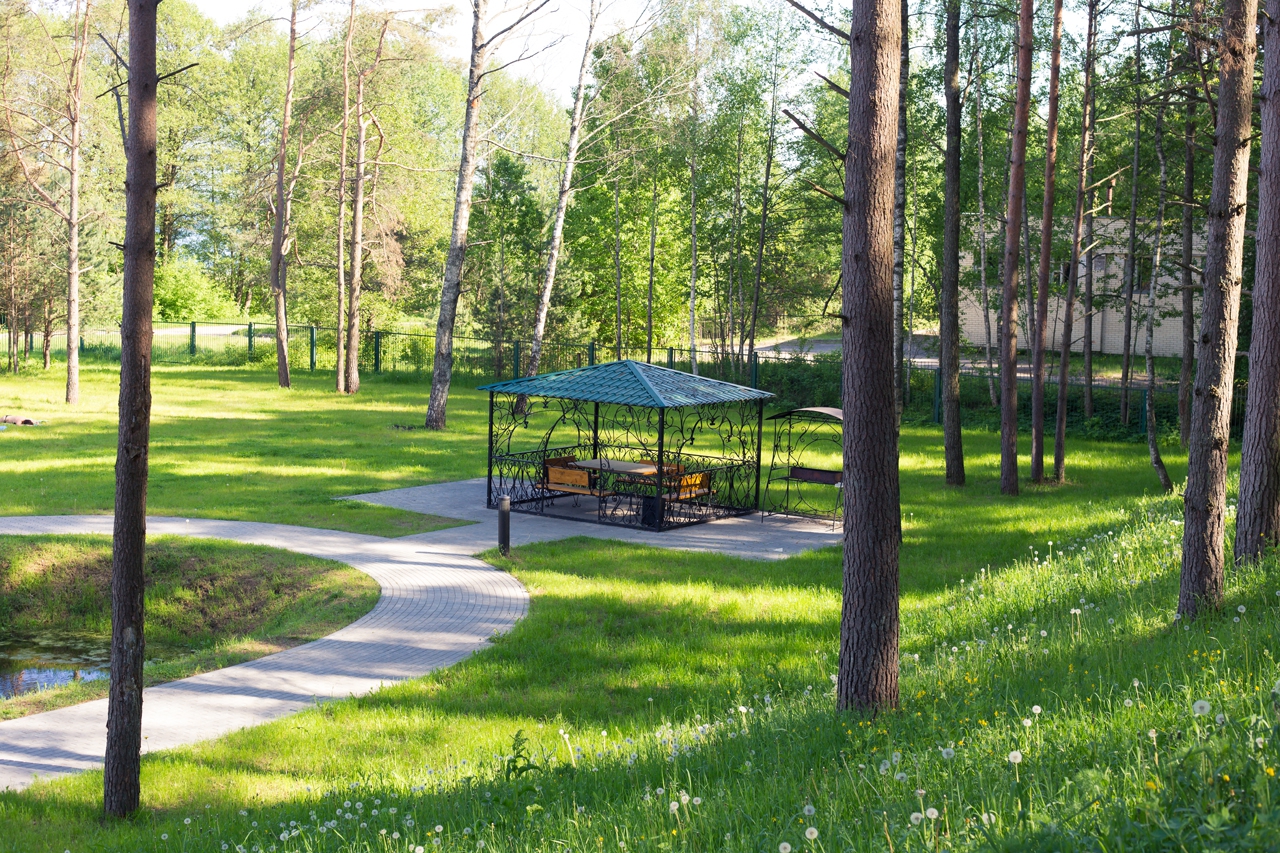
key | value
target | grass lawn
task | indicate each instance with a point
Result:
(675, 701)
(209, 604)
(228, 443)
(643, 677)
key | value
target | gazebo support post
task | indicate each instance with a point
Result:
(662, 435)
(488, 494)
(595, 432)
(759, 446)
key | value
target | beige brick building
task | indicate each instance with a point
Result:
(1111, 233)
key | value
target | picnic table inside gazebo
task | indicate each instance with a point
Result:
(626, 443)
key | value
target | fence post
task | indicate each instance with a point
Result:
(591, 353)
(515, 360)
(312, 342)
(193, 338)
(671, 358)
(755, 370)
(251, 339)
(937, 394)
(377, 352)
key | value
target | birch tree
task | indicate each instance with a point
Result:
(482, 49)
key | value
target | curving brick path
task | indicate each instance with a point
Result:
(437, 607)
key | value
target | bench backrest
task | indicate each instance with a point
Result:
(815, 475)
(556, 462)
(693, 485)
(568, 477)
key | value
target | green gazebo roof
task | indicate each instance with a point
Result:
(629, 383)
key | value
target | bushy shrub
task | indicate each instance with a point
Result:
(184, 292)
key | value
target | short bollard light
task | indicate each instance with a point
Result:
(504, 525)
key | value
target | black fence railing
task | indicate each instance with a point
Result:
(795, 378)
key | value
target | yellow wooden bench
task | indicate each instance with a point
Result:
(690, 486)
(572, 481)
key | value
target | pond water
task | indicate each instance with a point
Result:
(39, 661)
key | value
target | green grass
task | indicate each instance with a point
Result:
(209, 604)
(643, 657)
(228, 443)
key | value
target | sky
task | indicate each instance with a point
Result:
(561, 28)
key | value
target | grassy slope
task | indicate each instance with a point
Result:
(209, 604)
(228, 443)
(648, 645)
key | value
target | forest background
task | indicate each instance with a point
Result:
(688, 152)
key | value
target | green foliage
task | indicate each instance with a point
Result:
(184, 292)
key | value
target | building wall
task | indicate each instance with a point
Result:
(1108, 278)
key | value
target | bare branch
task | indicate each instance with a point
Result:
(817, 19)
(815, 136)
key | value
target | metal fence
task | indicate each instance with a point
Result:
(796, 378)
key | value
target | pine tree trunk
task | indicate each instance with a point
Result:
(693, 244)
(1131, 257)
(281, 224)
(1204, 528)
(1009, 311)
(121, 777)
(1077, 227)
(451, 288)
(1185, 378)
(764, 211)
(900, 213)
(1258, 517)
(1039, 344)
(949, 304)
(1153, 445)
(867, 680)
(982, 236)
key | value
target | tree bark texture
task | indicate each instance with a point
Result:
(451, 288)
(900, 214)
(1204, 525)
(982, 236)
(1153, 446)
(1187, 373)
(562, 203)
(121, 780)
(340, 369)
(1258, 516)
(1131, 257)
(868, 673)
(1191, 61)
(1013, 221)
(358, 185)
(1077, 235)
(282, 212)
(949, 303)
(1039, 344)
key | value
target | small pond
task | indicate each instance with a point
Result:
(39, 661)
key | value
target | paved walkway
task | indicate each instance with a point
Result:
(436, 609)
(751, 536)
(439, 604)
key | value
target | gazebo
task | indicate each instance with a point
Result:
(625, 443)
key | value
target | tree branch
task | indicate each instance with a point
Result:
(815, 136)
(817, 19)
